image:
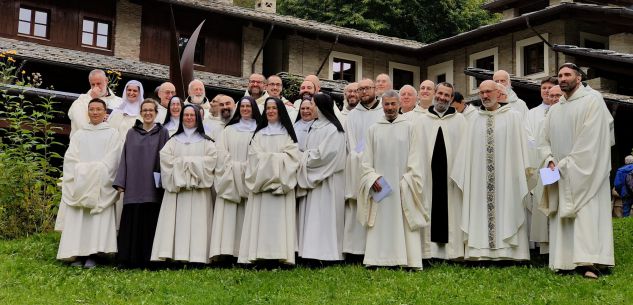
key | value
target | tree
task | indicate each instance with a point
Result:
(421, 20)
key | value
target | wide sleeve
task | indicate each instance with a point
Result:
(71, 159)
(272, 171)
(321, 162)
(411, 191)
(366, 211)
(229, 172)
(193, 171)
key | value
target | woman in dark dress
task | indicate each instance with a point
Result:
(138, 178)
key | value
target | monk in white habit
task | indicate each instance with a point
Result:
(365, 114)
(392, 161)
(269, 232)
(502, 77)
(441, 129)
(172, 121)
(492, 173)
(98, 89)
(577, 142)
(321, 212)
(123, 117)
(537, 220)
(230, 204)
(90, 163)
(187, 165)
(426, 94)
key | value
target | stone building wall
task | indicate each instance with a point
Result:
(127, 31)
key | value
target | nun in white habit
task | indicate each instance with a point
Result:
(269, 231)
(321, 211)
(123, 117)
(187, 165)
(230, 204)
(304, 120)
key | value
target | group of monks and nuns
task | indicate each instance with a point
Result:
(230, 204)
(426, 93)
(577, 141)
(187, 166)
(441, 129)
(321, 173)
(136, 180)
(303, 121)
(494, 185)
(536, 219)
(383, 83)
(124, 117)
(166, 91)
(517, 104)
(408, 99)
(390, 169)
(172, 121)
(98, 89)
(269, 231)
(88, 223)
(365, 114)
(257, 89)
(197, 96)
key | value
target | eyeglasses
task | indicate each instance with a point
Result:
(169, 91)
(363, 89)
(274, 85)
(255, 82)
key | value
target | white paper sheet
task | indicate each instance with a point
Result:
(549, 176)
(157, 179)
(384, 192)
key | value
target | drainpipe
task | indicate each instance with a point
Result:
(527, 22)
(272, 26)
(328, 55)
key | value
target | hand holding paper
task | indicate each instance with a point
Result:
(384, 192)
(549, 176)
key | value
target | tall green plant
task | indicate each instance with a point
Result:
(29, 195)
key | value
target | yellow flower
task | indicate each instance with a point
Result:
(109, 71)
(23, 72)
(2, 55)
(10, 59)
(12, 52)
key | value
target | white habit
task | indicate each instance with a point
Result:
(183, 232)
(89, 219)
(576, 136)
(393, 224)
(321, 212)
(78, 112)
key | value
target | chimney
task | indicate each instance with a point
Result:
(267, 6)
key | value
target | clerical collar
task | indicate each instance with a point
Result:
(245, 125)
(448, 111)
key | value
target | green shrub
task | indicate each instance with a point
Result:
(29, 195)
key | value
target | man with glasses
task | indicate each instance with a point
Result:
(577, 142)
(166, 91)
(257, 88)
(492, 173)
(368, 112)
(274, 88)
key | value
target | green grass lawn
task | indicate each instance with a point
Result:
(29, 274)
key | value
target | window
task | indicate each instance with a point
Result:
(33, 22)
(588, 40)
(532, 57)
(442, 72)
(198, 53)
(95, 33)
(488, 60)
(403, 74)
(343, 66)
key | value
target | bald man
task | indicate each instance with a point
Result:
(383, 83)
(166, 91)
(503, 77)
(408, 99)
(494, 185)
(426, 94)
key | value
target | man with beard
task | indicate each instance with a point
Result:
(358, 121)
(502, 77)
(197, 96)
(350, 101)
(493, 185)
(306, 91)
(274, 88)
(577, 141)
(408, 99)
(98, 89)
(391, 160)
(441, 129)
(226, 106)
(166, 91)
(427, 91)
(383, 83)
(537, 221)
(256, 89)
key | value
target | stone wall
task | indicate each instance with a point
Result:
(252, 39)
(127, 30)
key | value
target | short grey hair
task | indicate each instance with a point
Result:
(391, 94)
(193, 81)
(415, 92)
(628, 159)
(96, 72)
